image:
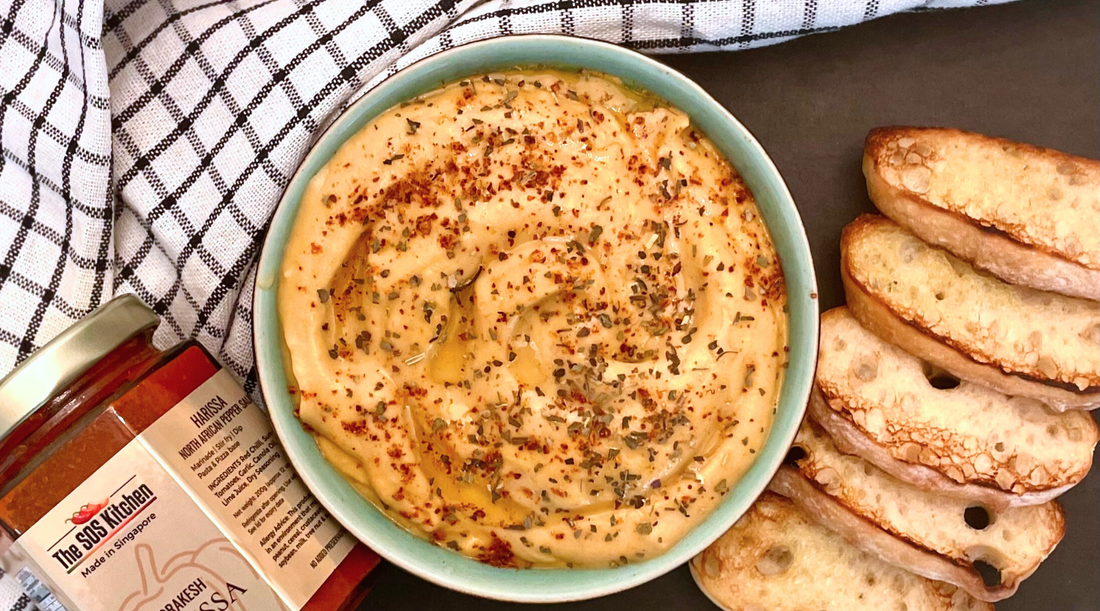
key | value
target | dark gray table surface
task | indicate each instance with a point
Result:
(1028, 71)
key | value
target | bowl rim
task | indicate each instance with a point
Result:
(333, 491)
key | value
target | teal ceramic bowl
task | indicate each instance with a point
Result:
(443, 566)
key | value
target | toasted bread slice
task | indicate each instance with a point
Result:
(953, 534)
(966, 432)
(775, 558)
(1026, 214)
(1014, 339)
(851, 440)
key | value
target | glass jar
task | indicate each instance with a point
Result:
(132, 478)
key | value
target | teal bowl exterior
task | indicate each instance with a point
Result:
(450, 569)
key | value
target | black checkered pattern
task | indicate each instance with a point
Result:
(145, 143)
(12, 598)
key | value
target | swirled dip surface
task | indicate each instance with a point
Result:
(535, 318)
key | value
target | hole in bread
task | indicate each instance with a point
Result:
(943, 381)
(795, 454)
(939, 378)
(991, 575)
(940, 296)
(711, 566)
(775, 561)
(1091, 333)
(866, 369)
(977, 517)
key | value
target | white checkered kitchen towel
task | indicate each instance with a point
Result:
(146, 142)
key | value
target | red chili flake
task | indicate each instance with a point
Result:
(424, 223)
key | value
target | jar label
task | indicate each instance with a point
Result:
(201, 512)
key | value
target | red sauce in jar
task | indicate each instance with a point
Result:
(78, 429)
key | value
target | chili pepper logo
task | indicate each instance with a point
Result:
(88, 511)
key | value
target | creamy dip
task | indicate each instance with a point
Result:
(536, 318)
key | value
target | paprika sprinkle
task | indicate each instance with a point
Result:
(135, 479)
